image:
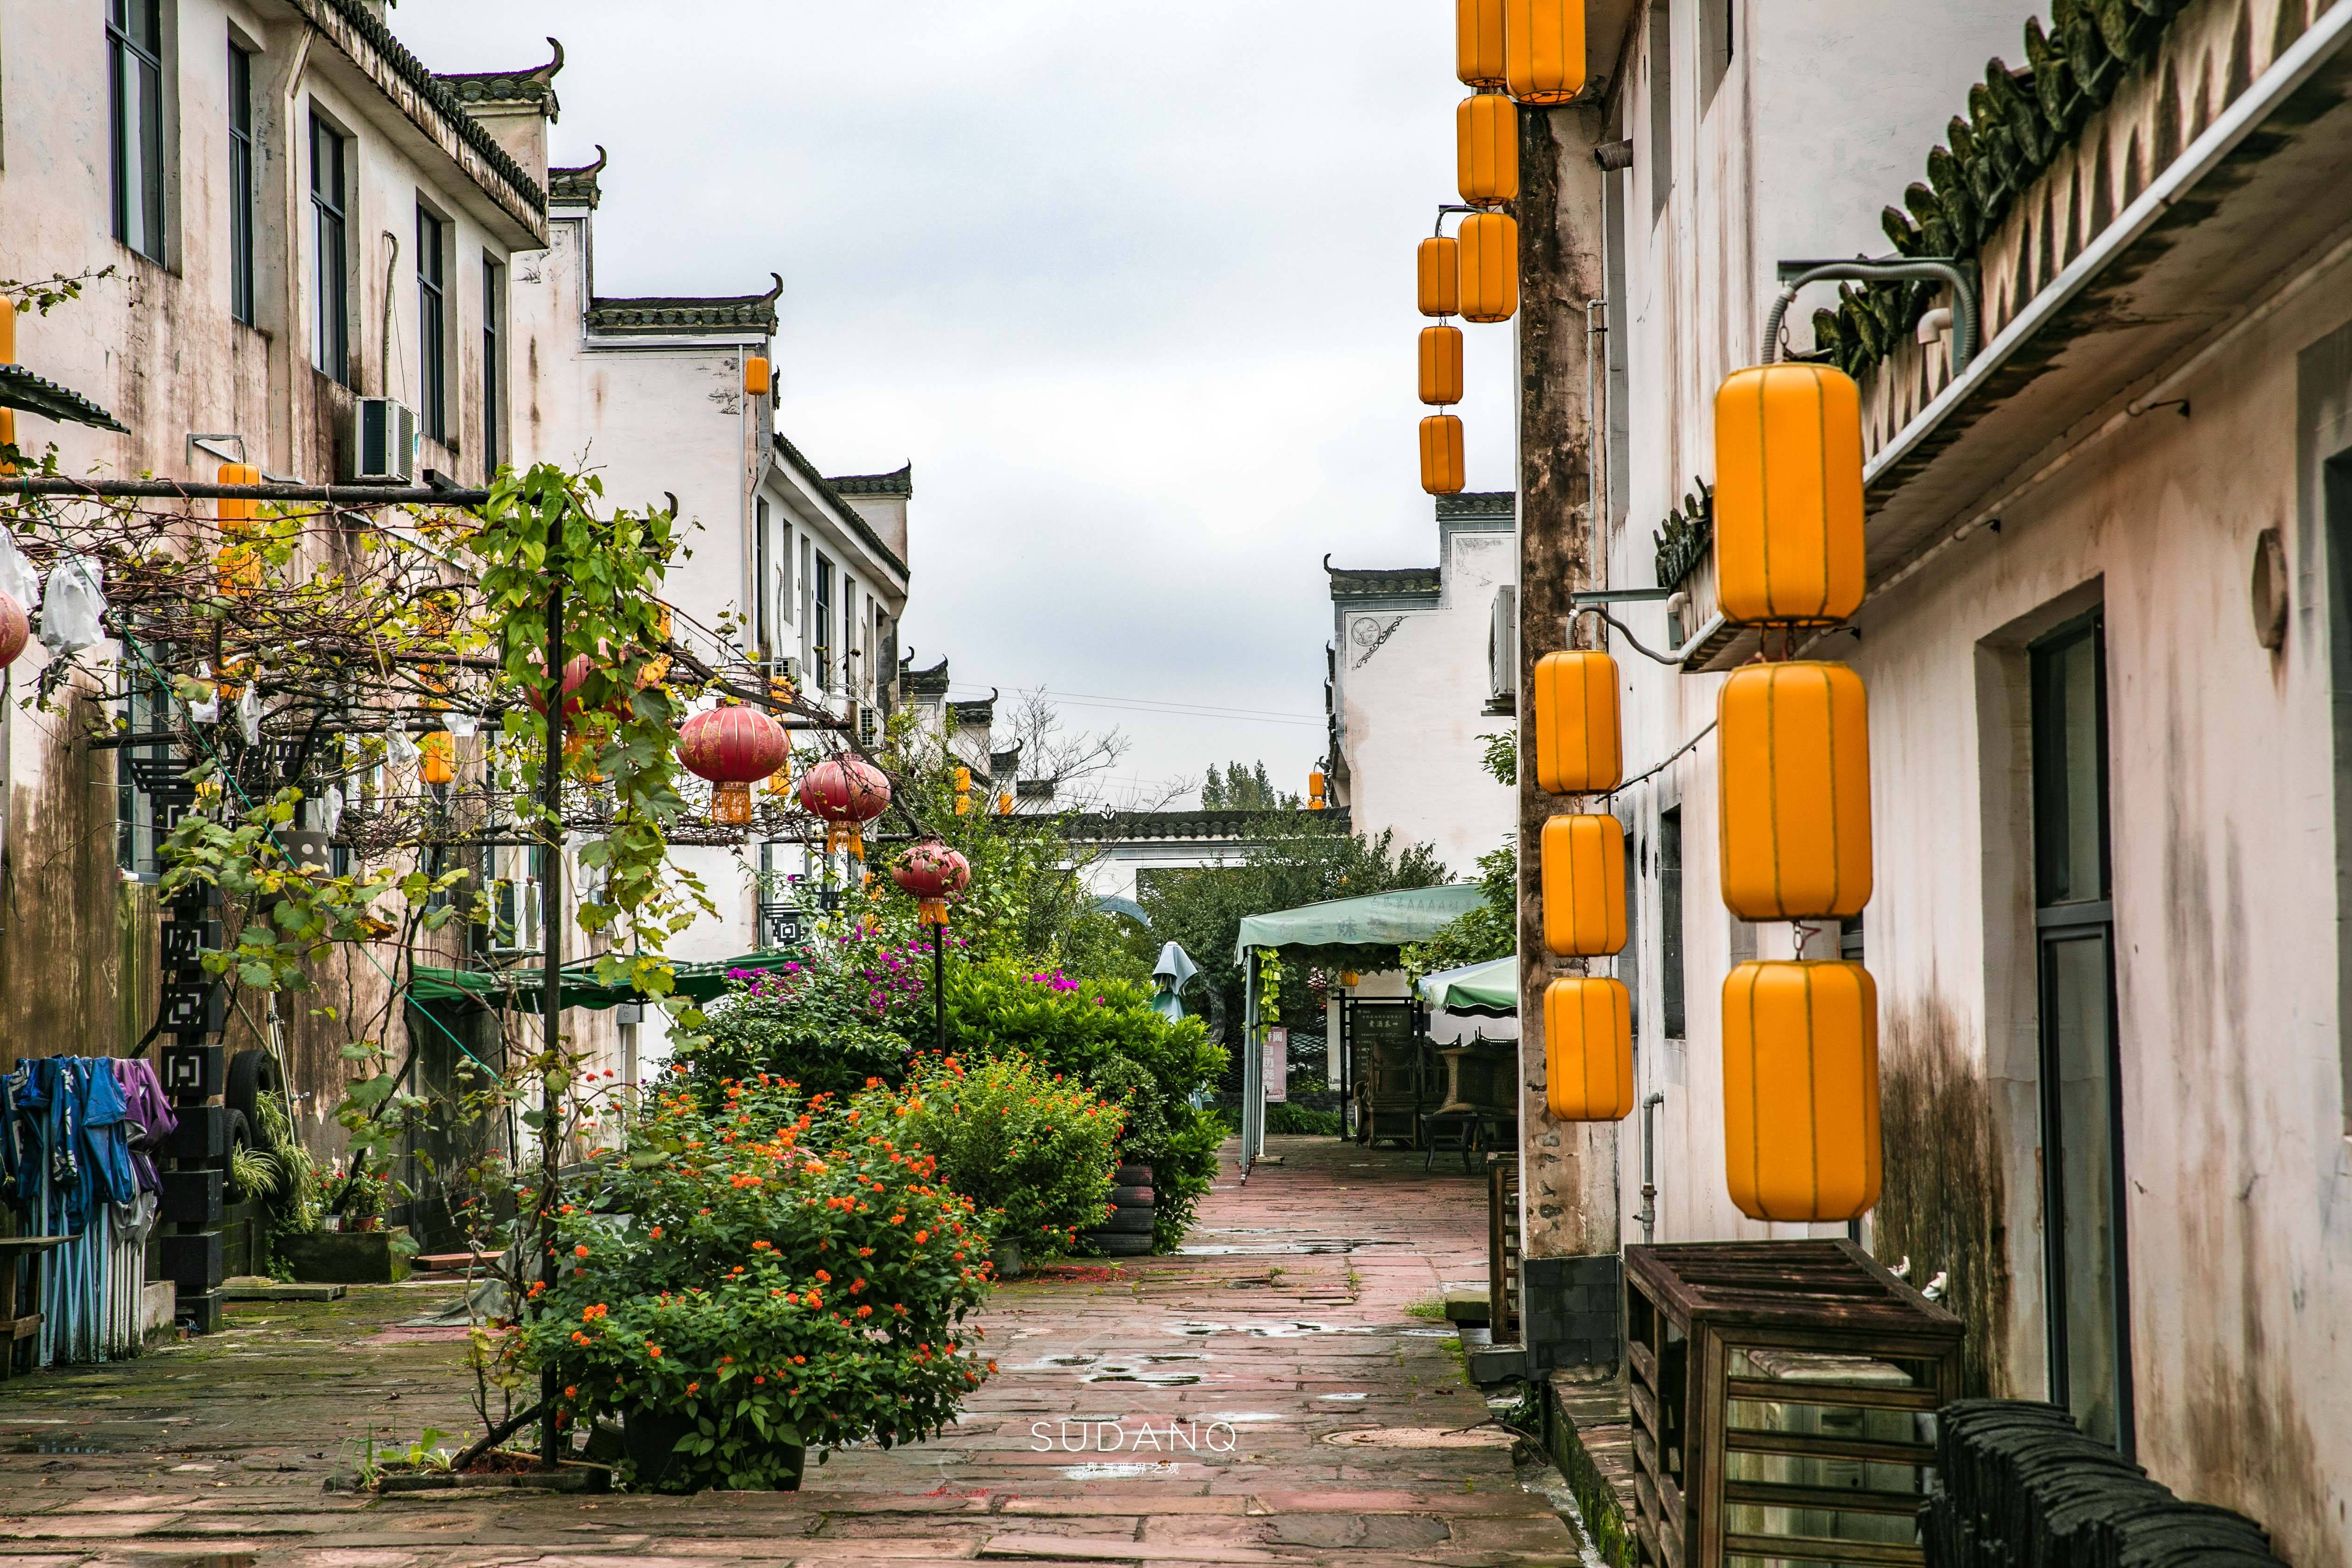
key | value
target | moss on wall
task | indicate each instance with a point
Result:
(1942, 1201)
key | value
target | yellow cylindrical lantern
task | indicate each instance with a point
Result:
(1440, 454)
(1440, 261)
(1801, 1091)
(1793, 791)
(1441, 366)
(757, 378)
(1788, 494)
(232, 512)
(1490, 266)
(1478, 57)
(1486, 144)
(1578, 747)
(1543, 50)
(1588, 1049)
(1584, 886)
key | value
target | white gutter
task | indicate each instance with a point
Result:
(2285, 76)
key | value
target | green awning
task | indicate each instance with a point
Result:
(519, 990)
(1376, 920)
(1488, 990)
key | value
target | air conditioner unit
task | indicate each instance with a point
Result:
(382, 446)
(1503, 645)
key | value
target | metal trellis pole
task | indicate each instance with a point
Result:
(551, 938)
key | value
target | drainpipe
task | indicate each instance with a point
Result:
(1649, 1215)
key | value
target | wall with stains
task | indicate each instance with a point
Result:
(2224, 780)
(154, 341)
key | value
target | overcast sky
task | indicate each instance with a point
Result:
(1131, 286)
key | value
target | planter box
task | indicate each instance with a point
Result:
(347, 1258)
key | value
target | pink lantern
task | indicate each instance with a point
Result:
(733, 748)
(15, 630)
(847, 792)
(933, 873)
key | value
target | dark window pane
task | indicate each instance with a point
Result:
(2069, 771)
(1670, 923)
(135, 98)
(491, 275)
(2083, 1095)
(432, 329)
(240, 185)
(331, 344)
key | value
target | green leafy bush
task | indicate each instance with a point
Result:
(763, 1273)
(1106, 1033)
(1295, 1120)
(1035, 1150)
(825, 1021)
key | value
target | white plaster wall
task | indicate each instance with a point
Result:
(1412, 710)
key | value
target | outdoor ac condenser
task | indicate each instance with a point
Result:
(1503, 645)
(382, 446)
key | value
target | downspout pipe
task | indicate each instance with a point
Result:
(1916, 269)
(1649, 1215)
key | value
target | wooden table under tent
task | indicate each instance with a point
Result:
(1394, 1058)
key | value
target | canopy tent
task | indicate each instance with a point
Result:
(520, 989)
(1488, 990)
(1337, 932)
(1376, 920)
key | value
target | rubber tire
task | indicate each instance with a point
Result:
(252, 1074)
(1131, 1197)
(240, 1130)
(1127, 1222)
(1132, 1176)
(1118, 1244)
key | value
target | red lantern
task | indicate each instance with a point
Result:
(848, 793)
(575, 675)
(732, 747)
(14, 630)
(933, 873)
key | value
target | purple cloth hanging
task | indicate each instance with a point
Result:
(148, 1111)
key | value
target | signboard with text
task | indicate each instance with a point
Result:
(1278, 1066)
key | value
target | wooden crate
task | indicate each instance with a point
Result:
(1715, 1331)
(1503, 1246)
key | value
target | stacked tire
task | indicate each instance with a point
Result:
(1127, 1233)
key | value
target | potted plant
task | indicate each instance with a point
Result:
(753, 1275)
(363, 1250)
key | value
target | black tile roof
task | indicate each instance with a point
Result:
(577, 186)
(858, 524)
(931, 682)
(1350, 583)
(1478, 503)
(687, 314)
(534, 85)
(900, 482)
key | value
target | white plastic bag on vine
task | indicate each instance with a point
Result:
(73, 607)
(17, 579)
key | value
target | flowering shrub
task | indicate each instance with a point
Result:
(1034, 1150)
(762, 1272)
(825, 1020)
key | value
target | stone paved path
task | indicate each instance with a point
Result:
(1168, 1410)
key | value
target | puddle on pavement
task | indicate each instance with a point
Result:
(1263, 1331)
(1309, 1246)
(1152, 1379)
(1241, 1417)
(1069, 1360)
(56, 1445)
(1428, 1334)
(1178, 1355)
(1337, 1398)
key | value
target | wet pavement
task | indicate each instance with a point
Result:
(1265, 1397)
